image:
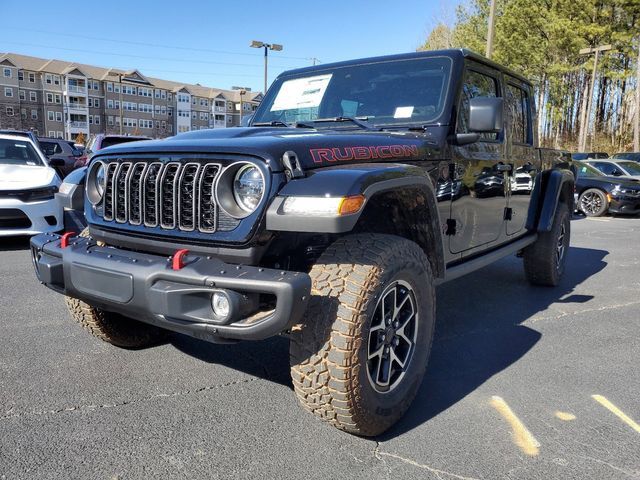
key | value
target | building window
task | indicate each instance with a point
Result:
(52, 133)
(8, 92)
(109, 103)
(23, 113)
(97, 120)
(22, 94)
(110, 120)
(49, 97)
(164, 125)
(51, 116)
(33, 96)
(56, 79)
(20, 75)
(60, 135)
(48, 78)
(32, 77)
(7, 72)
(157, 123)
(169, 96)
(170, 128)
(109, 87)
(116, 88)
(90, 119)
(194, 115)
(58, 98)
(58, 116)
(96, 102)
(96, 85)
(90, 101)
(34, 114)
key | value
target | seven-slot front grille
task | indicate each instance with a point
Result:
(169, 195)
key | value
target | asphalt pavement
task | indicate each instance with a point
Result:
(523, 383)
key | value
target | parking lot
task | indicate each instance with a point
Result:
(523, 382)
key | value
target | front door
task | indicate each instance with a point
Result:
(480, 172)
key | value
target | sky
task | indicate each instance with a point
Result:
(207, 42)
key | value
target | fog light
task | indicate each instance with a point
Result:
(221, 305)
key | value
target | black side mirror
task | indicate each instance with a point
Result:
(485, 114)
(56, 162)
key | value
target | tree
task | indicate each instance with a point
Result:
(80, 138)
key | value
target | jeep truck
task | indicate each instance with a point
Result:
(356, 188)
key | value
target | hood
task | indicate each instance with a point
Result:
(610, 180)
(21, 177)
(314, 148)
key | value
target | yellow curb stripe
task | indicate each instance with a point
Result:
(616, 411)
(522, 437)
(566, 416)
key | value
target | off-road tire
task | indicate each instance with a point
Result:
(541, 264)
(328, 351)
(111, 327)
(599, 196)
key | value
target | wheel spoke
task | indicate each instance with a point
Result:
(377, 353)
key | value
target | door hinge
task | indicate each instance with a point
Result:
(451, 227)
(508, 213)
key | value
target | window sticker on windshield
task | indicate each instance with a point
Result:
(403, 112)
(301, 93)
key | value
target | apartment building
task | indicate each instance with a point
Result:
(64, 99)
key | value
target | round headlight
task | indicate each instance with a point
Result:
(248, 188)
(101, 179)
(96, 182)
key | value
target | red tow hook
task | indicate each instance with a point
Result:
(64, 239)
(178, 259)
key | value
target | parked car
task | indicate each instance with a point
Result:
(321, 222)
(22, 133)
(62, 154)
(102, 140)
(617, 168)
(597, 194)
(27, 188)
(635, 156)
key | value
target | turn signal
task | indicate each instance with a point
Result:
(351, 205)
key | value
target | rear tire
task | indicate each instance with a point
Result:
(111, 327)
(593, 202)
(544, 260)
(356, 362)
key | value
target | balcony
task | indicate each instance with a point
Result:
(219, 124)
(77, 124)
(77, 89)
(219, 109)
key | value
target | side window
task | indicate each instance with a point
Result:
(476, 84)
(604, 167)
(517, 103)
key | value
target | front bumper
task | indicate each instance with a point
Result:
(43, 216)
(145, 287)
(623, 204)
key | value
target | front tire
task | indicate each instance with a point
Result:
(593, 202)
(359, 358)
(545, 259)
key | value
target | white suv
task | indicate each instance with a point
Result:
(27, 189)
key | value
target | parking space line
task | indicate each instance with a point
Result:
(566, 416)
(522, 437)
(599, 219)
(616, 411)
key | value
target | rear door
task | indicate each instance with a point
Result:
(478, 207)
(521, 154)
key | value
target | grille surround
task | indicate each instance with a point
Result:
(166, 195)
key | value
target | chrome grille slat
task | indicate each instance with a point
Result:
(171, 195)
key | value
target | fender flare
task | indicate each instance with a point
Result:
(368, 180)
(545, 197)
(73, 196)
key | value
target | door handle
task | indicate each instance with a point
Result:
(504, 167)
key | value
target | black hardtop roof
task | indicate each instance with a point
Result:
(458, 54)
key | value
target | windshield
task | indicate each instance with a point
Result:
(384, 93)
(18, 152)
(632, 167)
(110, 141)
(586, 170)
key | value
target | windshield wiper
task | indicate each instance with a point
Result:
(272, 123)
(359, 121)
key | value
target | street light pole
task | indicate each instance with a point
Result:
(491, 29)
(582, 144)
(267, 46)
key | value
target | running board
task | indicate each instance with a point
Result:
(483, 260)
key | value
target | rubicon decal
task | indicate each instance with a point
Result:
(344, 154)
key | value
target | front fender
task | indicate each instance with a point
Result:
(545, 197)
(368, 180)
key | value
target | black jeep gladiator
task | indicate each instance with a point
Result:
(356, 189)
